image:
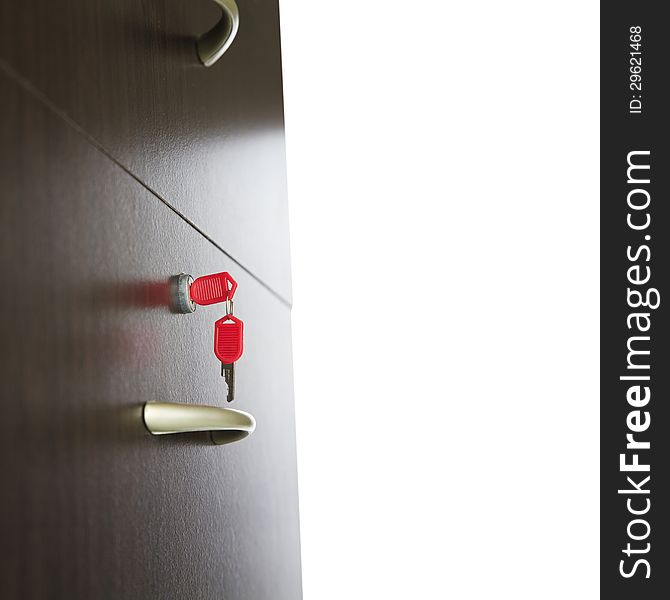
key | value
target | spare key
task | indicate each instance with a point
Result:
(228, 347)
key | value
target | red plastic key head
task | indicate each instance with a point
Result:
(211, 289)
(228, 339)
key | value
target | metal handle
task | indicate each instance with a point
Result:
(217, 40)
(224, 424)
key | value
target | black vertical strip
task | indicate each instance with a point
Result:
(625, 264)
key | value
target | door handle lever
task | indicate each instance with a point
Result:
(212, 45)
(225, 425)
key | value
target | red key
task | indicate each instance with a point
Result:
(212, 289)
(228, 339)
(228, 347)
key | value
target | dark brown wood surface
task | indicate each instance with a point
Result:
(92, 506)
(209, 141)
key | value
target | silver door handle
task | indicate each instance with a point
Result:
(224, 424)
(217, 40)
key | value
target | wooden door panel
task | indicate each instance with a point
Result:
(92, 505)
(210, 141)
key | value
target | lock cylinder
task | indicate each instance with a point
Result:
(180, 294)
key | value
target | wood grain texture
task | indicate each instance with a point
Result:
(210, 141)
(92, 506)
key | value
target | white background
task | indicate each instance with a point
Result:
(443, 180)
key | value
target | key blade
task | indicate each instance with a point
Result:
(228, 373)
